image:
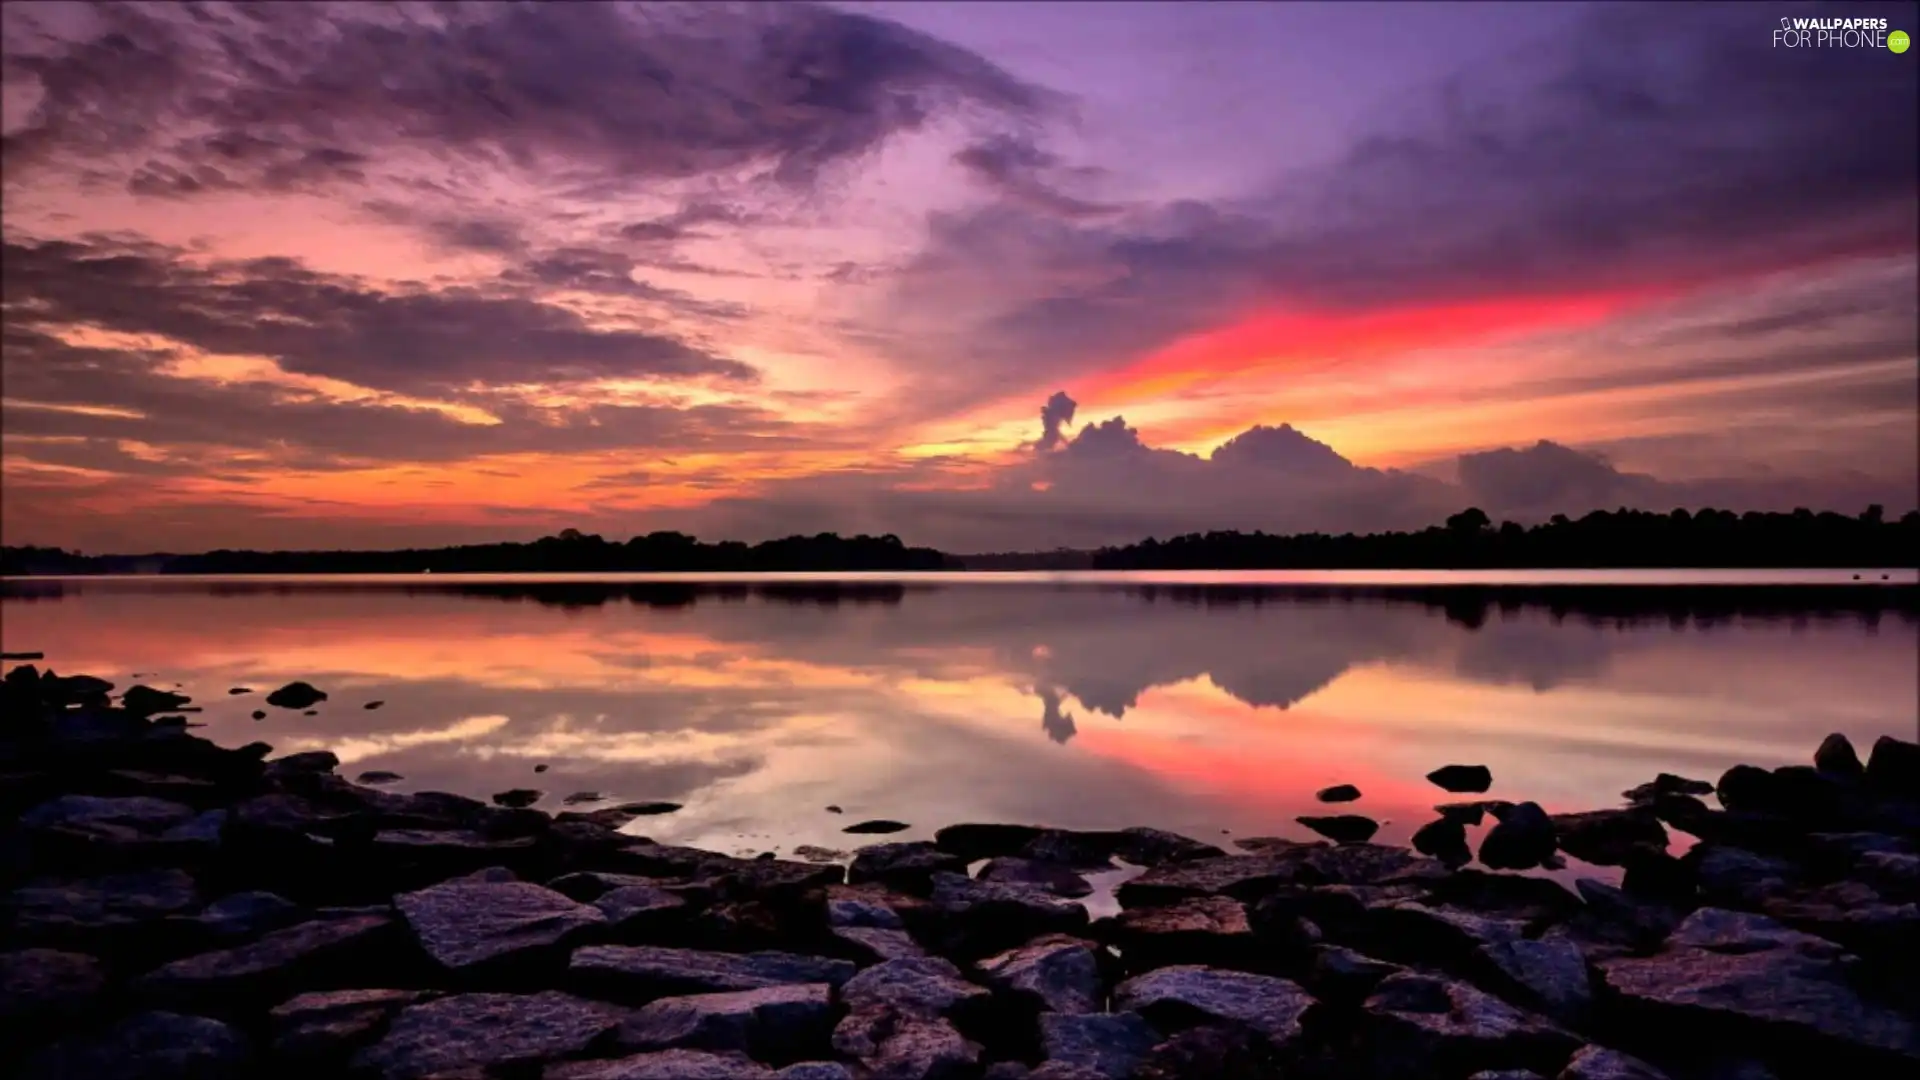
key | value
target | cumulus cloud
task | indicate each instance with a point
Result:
(1054, 415)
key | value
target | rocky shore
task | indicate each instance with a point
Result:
(175, 909)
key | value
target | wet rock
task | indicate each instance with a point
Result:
(319, 1031)
(1214, 1051)
(1107, 1044)
(814, 853)
(378, 776)
(485, 1032)
(518, 797)
(303, 955)
(1341, 975)
(775, 1023)
(873, 945)
(540, 768)
(1893, 766)
(310, 761)
(46, 986)
(1052, 877)
(1472, 779)
(1550, 972)
(905, 1046)
(1469, 813)
(471, 925)
(1743, 976)
(1445, 839)
(1608, 837)
(1614, 917)
(640, 910)
(909, 866)
(1600, 1063)
(1667, 784)
(920, 986)
(1196, 930)
(1172, 997)
(579, 797)
(1524, 839)
(372, 705)
(259, 714)
(587, 886)
(146, 701)
(1244, 877)
(242, 916)
(296, 695)
(877, 826)
(1338, 793)
(148, 1046)
(1734, 877)
(94, 911)
(1836, 757)
(975, 842)
(1342, 828)
(1418, 1025)
(645, 971)
(976, 918)
(1095, 849)
(1054, 974)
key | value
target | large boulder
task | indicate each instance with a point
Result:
(1051, 877)
(1107, 1045)
(908, 866)
(1342, 828)
(316, 1032)
(1243, 877)
(42, 988)
(975, 918)
(1096, 849)
(644, 972)
(479, 1032)
(1747, 978)
(473, 926)
(636, 912)
(1893, 766)
(1836, 757)
(1419, 1025)
(1053, 974)
(780, 1023)
(1600, 1063)
(1458, 779)
(1176, 997)
(926, 985)
(1196, 930)
(1522, 840)
(296, 695)
(148, 1046)
(311, 954)
(115, 911)
(974, 842)
(1609, 837)
(893, 1045)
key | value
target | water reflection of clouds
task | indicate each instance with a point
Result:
(1083, 707)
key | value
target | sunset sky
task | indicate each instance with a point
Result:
(987, 276)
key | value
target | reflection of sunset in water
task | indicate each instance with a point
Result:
(1083, 707)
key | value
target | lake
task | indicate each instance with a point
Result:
(1211, 705)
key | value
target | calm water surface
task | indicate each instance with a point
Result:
(1207, 709)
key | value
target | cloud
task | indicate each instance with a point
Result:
(309, 95)
(1022, 172)
(417, 340)
(1057, 412)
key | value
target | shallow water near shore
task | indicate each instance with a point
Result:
(1213, 706)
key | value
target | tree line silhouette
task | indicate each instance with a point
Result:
(568, 552)
(1603, 539)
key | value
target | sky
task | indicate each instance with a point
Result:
(985, 276)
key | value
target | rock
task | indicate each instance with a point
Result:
(872, 945)
(579, 797)
(1893, 766)
(1055, 974)
(1612, 916)
(1836, 757)
(1418, 1025)
(93, 911)
(320, 1030)
(975, 842)
(1052, 877)
(296, 695)
(1600, 1063)
(877, 826)
(896, 1046)
(633, 910)
(908, 866)
(645, 971)
(1106, 1044)
(589, 885)
(1095, 849)
(1214, 1051)
(148, 1046)
(378, 776)
(259, 714)
(1195, 930)
(469, 925)
(274, 966)
(1445, 839)
(242, 916)
(1747, 977)
(777, 1022)
(1344, 976)
(1171, 996)
(1244, 877)
(1521, 841)
(1732, 877)
(39, 987)
(485, 1032)
(311, 761)
(146, 701)
(924, 986)
(1667, 784)
(1550, 972)
(976, 918)
(664, 1065)
(1608, 837)
(519, 797)
(540, 768)
(372, 705)
(814, 853)
(1470, 813)
(1342, 828)
(1338, 793)
(1462, 778)
(114, 828)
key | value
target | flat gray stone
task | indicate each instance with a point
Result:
(774, 1022)
(468, 924)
